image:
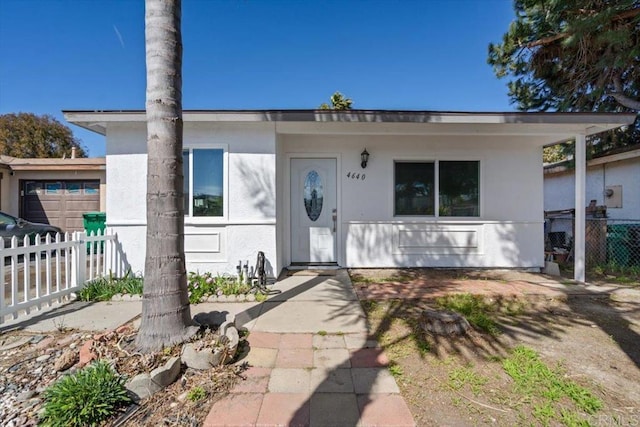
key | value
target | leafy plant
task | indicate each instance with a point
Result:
(474, 308)
(85, 398)
(197, 393)
(202, 285)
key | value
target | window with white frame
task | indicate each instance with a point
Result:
(204, 182)
(456, 191)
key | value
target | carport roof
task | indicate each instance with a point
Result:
(557, 126)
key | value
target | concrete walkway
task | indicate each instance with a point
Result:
(312, 362)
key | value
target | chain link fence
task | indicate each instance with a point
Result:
(610, 244)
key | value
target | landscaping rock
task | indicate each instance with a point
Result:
(142, 386)
(45, 343)
(86, 354)
(25, 395)
(233, 340)
(201, 359)
(65, 361)
(443, 322)
(43, 358)
(167, 374)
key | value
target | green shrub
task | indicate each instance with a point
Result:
(85, 398)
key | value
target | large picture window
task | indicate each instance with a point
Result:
(204, 182)
(457, 189)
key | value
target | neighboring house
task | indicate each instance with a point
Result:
(439, 190)
(612, 181)
(52, 191)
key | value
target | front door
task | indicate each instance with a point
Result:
(313, 210)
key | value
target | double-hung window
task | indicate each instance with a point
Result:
(204, 182)
(450, 188)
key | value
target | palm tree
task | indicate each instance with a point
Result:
(166, 314)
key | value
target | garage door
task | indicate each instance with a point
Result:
(59, 203)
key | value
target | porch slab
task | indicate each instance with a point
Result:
(315, 288)
(310, 317)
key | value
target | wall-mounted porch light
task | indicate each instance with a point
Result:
(364, 156)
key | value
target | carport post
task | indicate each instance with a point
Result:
(580, 158)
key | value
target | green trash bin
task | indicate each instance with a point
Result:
(94, 224)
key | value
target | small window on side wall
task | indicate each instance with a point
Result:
(203, 182)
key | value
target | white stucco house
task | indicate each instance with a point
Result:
(439, 189)
(612, 181)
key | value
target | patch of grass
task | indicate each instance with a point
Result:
(87, 397)
(104, 288)
(537, 382)
(322, 333)
(459, 377)
(474, 308)
(196, 393)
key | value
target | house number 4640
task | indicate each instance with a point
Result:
(354, 175)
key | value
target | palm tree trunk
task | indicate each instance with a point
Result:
(166, 315)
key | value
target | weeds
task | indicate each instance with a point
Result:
(465, 375)
(537, 381)
(396, 370)
(474, 308)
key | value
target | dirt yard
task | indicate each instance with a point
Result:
(584, 345)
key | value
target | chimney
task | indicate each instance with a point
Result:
(73, 152)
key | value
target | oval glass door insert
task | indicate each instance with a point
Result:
(313, 195)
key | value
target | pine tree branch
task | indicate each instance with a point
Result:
(619, 95)
(627, 14)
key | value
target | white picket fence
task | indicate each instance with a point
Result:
(50, 269)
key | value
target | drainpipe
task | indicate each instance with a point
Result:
(579, 274)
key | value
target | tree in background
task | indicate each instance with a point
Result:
(574, 55)
(338, 102)
(26, 135)
(166, 314)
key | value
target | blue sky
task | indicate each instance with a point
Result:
(254, 54)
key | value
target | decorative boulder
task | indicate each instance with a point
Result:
(444, 322)
(145, 385)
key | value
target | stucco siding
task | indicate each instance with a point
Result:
(211, 243)
(559, 188)
(508, 232)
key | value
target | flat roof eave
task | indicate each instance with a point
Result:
(562, 123)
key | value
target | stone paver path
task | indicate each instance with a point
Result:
(304, 379)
